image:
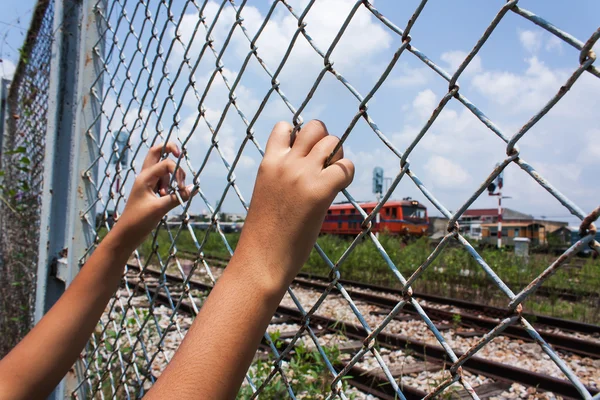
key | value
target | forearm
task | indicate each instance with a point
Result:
(218, 349)
(37, 364)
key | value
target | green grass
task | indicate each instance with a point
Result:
(159, 243)
(453, 266)
(212, 244)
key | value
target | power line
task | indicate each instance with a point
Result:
(13, 25)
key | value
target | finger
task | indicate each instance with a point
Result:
(280, 137)
(323, 149)
(163, 185)
(309, 135)
(156, 152)
(340, 173)
(167, 203)
(165, 167)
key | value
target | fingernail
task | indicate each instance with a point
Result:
(190, 188)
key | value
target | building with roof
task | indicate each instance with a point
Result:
(482, 224)
(532, 230)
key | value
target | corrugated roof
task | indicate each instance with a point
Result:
(507, 213)
(510, 224)
(478, 212)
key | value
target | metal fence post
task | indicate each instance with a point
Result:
(72, 126)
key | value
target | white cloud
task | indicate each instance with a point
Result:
(445, 173)
(425, 102)
(7, 68)
(590, 152)
(521, 92)
(530, 40)
(455, 58)
(455, 132)
(534, 41)
(409, 76)
(554, 44)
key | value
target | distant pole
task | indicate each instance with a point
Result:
(499, 219)
(499, 182)
(377, 216)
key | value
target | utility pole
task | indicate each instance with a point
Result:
(497, 184)
(500, 215)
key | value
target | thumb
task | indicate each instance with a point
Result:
(170, 201)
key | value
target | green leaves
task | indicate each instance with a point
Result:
(306, 371)
(18, 150)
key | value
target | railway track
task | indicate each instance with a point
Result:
(480, 312)
(543, 291)
(498, 376)
(480, 321)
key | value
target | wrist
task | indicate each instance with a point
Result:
(122, 240)
(262, 268)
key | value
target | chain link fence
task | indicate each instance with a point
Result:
(22, 166)
(175, 72)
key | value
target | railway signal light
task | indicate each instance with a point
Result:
(497, 184)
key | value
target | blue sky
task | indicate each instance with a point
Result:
(518, 70)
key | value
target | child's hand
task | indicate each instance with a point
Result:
(292, 193)
(144, 209)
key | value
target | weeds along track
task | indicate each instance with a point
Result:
(511, 366)
(580, 338)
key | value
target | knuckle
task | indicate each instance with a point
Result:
(140, 179)
(267, 165)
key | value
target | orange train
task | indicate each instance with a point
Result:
(406, 217)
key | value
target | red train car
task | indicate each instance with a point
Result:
(406, 217)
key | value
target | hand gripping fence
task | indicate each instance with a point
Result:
(135, 97)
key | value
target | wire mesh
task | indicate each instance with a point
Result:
(153, 92)
(133, 342)
(22, 159)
